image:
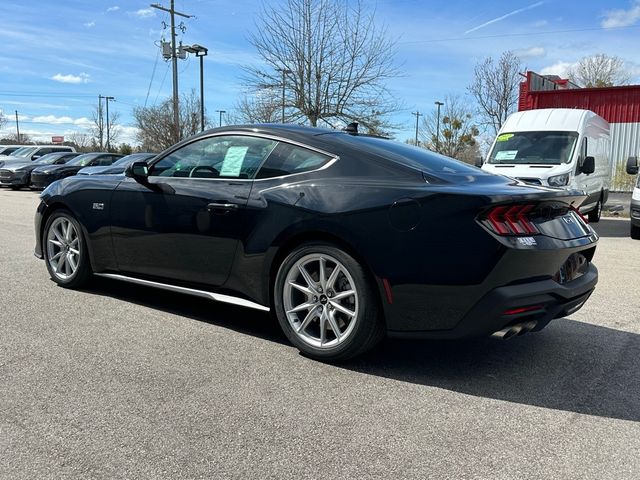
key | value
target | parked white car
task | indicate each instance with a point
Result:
(556, 147)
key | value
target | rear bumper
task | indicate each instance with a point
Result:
(488, 314)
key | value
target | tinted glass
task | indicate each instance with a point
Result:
(287, 159)
(9, 150)
(24, 151)
(547, 148)
(232, 156)
(49, 159)
(134, 157)
(82, 160)
(414, 157)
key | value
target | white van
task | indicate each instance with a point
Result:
(634, 210)
(556, 147)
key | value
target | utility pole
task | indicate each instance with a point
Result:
(439, 104)
(174, 58)
(17, 127)
(285, 72)
(100, 124)
(418, 115)
(108, 141)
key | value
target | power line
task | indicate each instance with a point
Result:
(153, 74)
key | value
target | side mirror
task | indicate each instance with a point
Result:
(588, 165)
(138, 171)
(632, 165)
(478, 162)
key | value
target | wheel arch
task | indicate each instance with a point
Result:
(53, 207)
(300, 238)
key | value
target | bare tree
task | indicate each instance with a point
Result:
(600, 70)
(263, 107)
(3, 119)
(82, 142)
(457, 132)
(495, 89)
(99, 127)
(156, 130)
(333, 59)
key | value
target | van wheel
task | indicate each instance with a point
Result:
(635, 232)
(596, 213)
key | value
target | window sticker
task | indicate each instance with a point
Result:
(506, 154)
(504, 137)
(233, 160)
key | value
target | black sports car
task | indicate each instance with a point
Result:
(18, 176)
(345, 236)
(41, 177)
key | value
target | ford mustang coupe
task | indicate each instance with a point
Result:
(345, 237)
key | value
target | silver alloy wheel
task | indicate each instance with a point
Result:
(320, 300)
(63, 248)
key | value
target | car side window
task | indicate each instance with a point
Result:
(105, 161)
(229, 156)
(287, 159)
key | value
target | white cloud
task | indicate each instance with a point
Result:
(70, 78)
(502, 17)
(90, 24)
(540, 23)
(115, 8)
(622, 18)
(144, 13)
(559, 68)
(533, 52)
(63, 120)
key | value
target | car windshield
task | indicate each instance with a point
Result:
(135, 157)
(542, 148)
(81, 160)
(48, 159)
(24, 151)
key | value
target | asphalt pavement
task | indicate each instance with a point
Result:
(122, 381)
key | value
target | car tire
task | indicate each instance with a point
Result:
(330, 316)
(15, 187)
(596, 213)
(65, 250)
(635, 232)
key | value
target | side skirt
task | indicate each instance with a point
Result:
(218, 297)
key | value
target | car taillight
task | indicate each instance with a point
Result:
(511, 220)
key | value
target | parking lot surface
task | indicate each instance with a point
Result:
(124, 381)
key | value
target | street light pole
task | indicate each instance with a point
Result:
(107, 102)
(439, 104)
(220, 112)
(285, 72)
(200, 52)
(417, 114)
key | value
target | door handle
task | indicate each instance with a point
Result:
(221, 206)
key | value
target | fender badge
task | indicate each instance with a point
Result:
(98, 206)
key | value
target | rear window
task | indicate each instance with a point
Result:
(287, 159)
(414, 157)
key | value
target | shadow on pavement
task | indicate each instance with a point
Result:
(570, 366)
(610, 227)
(243, 320)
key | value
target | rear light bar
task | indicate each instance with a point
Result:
(511, 220)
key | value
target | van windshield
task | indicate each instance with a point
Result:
(521, 148)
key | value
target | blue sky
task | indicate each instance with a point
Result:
(58, 56)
